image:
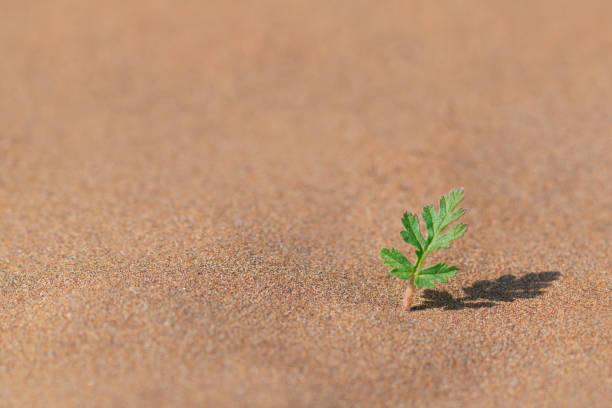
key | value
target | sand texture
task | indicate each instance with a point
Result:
(194, 194)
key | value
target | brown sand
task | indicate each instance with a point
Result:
(193, 198)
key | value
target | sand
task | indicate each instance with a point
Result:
(193, 197)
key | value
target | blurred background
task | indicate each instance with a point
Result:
(193, 196)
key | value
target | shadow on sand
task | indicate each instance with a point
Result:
(487, 293)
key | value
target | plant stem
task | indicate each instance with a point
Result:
(417, 267)
(409, 294)
(411, 289)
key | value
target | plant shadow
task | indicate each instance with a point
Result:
(487, 293)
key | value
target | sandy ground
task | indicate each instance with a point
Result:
(193, 196)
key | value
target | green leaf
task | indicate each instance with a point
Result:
(412, 233)
(454, 197)
(444, 240)
(436, 273)
(430, 215)
(402, 268)
(448, 211)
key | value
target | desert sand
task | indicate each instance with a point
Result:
(193, 197)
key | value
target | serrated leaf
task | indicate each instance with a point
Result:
(448, 208)
(444, 240)
(452, 216)
(395, 259)
(401, 273)
(454, 197)
(432, 221)
(412, 233)
(442, 206)
(437, 273)
(402, 267)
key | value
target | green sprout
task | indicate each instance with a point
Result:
(437, 237)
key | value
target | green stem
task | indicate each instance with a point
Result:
(417, 267)
(411, 289)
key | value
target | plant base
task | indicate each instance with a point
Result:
(409, 295)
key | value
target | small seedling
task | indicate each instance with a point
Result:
(437, 237)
